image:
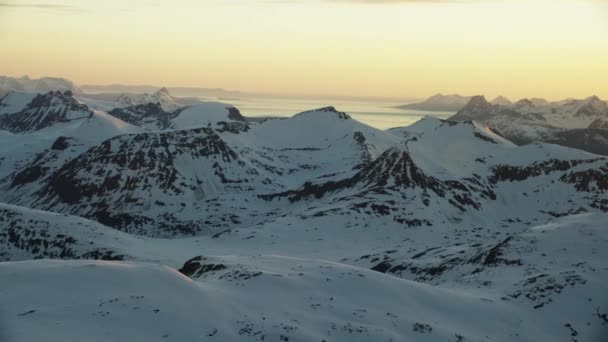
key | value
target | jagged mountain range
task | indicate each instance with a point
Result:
(574, 123)
(430, 221)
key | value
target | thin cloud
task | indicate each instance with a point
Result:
(392, 1)
(40, 6)
(370, 2)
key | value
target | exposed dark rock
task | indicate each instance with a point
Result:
(329, 109)
(235, 114)
(148, 113)
(194, 268)
(477, 108)
(61, 143)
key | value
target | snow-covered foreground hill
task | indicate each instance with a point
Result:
(207, 225)
(264, 298)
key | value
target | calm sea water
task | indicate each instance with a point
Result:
(379, 114)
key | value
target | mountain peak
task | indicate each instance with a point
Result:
(45, 110)
(440, 103)
(531, 102)
(164, 90)
(161, 96)
(477, 108)
(328, 109)
(592, 107)
(54, 97)
(501, 101)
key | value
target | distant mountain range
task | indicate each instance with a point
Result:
(574, 123)
(186, 94)
(439, 103)
(178, 91)
(448, 103)
(40, 85)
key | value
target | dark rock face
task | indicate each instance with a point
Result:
(477, 108)
(507, 173)
(475, 258)
(492, 257)
(235, 114)
(36, 238)
(195, 267)
(44, 111)
(148, 113)
(592, 180)
(40, 167)
(485, 138)
(152, 154)
(113, 183)
(234, 127)
(28, 175)
(330, 109)
(61, 143)
(394, 170)
(359, 137)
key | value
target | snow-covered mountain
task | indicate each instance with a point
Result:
(314, 227)
(153, 116)
(574, 123)
(501, 101)
(43, 110)
(439, 103)
(162, 98)
(40, 85)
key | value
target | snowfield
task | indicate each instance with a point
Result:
(255, 298)
(137, 219)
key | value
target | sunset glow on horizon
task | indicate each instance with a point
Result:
(551, 49)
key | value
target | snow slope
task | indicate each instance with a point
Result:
(253, 299)
(14, 102)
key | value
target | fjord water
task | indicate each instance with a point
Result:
(377, 113)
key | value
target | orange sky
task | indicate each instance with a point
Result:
(553, 49)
